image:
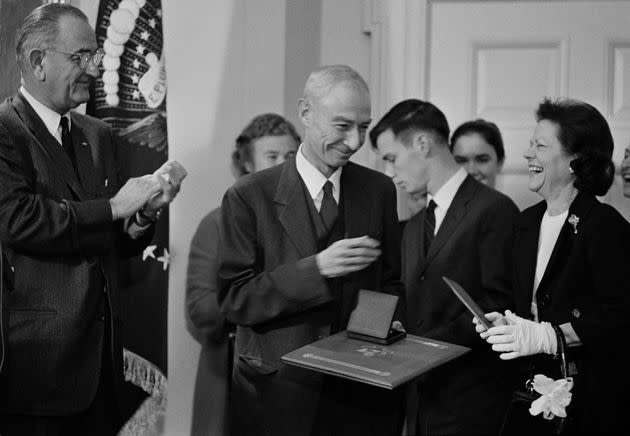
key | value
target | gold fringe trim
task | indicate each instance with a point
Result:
(148, 420)
(144, 374)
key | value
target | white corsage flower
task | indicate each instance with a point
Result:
(555, 396)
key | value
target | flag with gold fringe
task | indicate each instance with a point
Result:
(130, 94)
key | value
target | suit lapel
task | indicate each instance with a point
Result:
(83, 155)
(579, 208)
(454, 215)
(293, 210)
(356, 204)
(60, 160)
(528, 246)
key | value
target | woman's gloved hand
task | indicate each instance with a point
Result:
(513, 336)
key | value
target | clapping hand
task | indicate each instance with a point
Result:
(133, 195)
(170, 177)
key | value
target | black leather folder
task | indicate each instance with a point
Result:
(385, 366)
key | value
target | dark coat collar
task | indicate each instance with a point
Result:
(531, 218)
(49, 144)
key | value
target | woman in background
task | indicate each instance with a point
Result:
(268, 140)
(571, 255)
(478, 147)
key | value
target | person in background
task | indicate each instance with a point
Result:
(267, 140)
(478, 146)
(65, 222)
(464, 233)
(298, 242)
(571, 256)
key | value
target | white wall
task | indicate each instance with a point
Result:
(225, 64)
(343, 42)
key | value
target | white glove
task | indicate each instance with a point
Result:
(521, 337)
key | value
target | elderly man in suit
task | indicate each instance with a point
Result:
(297, 243)
(464, 233)
(64, 223)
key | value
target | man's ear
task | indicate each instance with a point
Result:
(36, 63)
(421, 142)
(305, 111)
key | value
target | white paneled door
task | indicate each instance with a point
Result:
(497, 59)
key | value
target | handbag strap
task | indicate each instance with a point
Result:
(562, 351)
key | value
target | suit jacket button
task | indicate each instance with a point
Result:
(102, 317)
(545, 299)
(576, 313)
(422, 277)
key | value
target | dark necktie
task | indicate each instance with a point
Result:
(66, 142)
(429, 226)
(328, 210)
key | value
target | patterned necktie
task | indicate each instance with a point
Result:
(66, 142)
(328, 211)
(429, 226)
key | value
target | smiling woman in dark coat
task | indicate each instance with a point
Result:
(571, 256)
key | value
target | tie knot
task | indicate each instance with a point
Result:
(431, 207)
(328, 188)
(64, 123)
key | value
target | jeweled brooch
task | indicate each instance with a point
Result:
(574, 220)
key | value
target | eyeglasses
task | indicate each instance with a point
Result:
(83, 59)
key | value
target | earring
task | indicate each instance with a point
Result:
(571, 170)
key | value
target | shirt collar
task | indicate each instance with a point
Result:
(445, 195)
(313, 178)
(49, 117)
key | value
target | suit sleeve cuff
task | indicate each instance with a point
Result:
(92, 212)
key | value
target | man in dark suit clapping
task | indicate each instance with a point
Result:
(64, 222)
(464, 233)
(297, 243)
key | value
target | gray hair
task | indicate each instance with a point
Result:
(40, 28)
(321, 80)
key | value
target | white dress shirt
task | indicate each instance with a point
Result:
(445, 195)
(315, 180)
(49, 117)
(550, 228)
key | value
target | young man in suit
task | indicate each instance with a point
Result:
(64, 223)
(464, 233)
(298, 241)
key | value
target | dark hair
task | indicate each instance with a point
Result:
(583, 132)
(412, 115)
(487, 130)
(40, 28)
(260, 126)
